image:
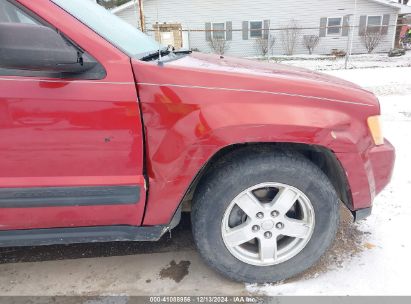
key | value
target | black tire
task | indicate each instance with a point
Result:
(241, 170)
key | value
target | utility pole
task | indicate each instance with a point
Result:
(141, 10)
(351, 35)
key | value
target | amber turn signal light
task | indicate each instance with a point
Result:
(374, 124)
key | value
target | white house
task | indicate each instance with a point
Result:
(191, 23)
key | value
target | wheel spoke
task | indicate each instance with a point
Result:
(295, 228)
(263, 218)
(267, 249)
(239, 235)
(249, 204)
(284, 200)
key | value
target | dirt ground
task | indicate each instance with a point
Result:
(170, 266)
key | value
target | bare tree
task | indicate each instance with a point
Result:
(219, 45)
(264, 46)
(289, 37)
(371, 39)
(311, 42)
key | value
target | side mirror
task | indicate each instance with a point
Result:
(38, 48)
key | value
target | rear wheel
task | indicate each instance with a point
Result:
(263, 217)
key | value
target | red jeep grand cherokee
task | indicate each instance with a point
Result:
(105, 135)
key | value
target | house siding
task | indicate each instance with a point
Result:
(194, 14)
(130, 15)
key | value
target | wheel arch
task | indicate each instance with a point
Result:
(322, 157)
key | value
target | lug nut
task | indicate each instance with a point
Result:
(260, 215)
(255, 228)
(279, 225)
(267, 234)
(275, 213)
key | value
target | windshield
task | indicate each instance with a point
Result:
(121, 34)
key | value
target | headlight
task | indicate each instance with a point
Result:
(374, 124)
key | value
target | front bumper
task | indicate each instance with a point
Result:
(382, 159)
(368, 173)
(361, 214)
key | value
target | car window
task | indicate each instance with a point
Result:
(10, 13)
(115, 30)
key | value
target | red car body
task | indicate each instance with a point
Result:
(156, 126)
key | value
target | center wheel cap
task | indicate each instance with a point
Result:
(267, 225)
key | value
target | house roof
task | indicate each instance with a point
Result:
(403, 9)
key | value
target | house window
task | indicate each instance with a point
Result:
(256, 29)
(219, 31)
(374, 23)
(334, 26)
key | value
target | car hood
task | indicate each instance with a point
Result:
(256, 68)
(228, 74)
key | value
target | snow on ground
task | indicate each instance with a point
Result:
(323, 63)
(382, 265)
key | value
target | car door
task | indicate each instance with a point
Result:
(71, 148)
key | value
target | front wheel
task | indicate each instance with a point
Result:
(264, 217)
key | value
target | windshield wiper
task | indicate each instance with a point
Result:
(155, 54)
(164, 52)
(183, 51)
